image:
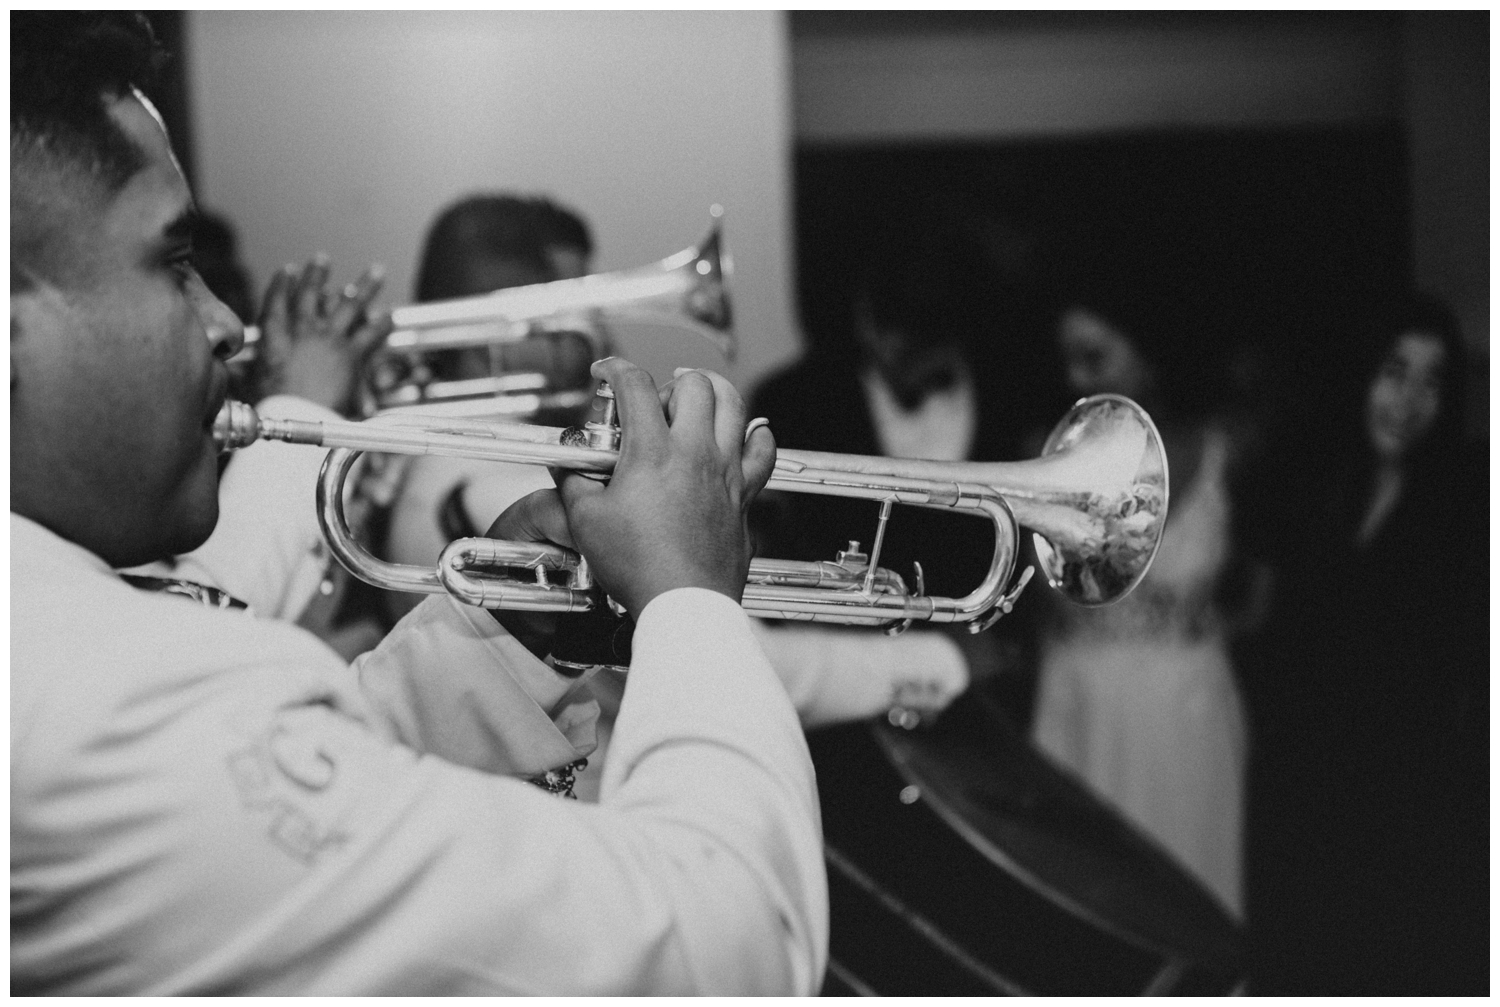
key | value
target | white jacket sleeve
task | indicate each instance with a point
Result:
(835, 675)
(709, 762)
(449, 680)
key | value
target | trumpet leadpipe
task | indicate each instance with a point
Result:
(239, 425)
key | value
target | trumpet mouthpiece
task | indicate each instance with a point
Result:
(236, 426)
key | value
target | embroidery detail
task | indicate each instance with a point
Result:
(262, 782)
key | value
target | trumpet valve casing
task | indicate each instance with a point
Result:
(605, 431)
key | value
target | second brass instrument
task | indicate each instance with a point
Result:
(687, 290)
(1096, 501)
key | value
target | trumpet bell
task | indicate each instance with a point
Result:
(1105, 464)
(1096, 498)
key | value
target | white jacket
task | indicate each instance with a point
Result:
(203, 801)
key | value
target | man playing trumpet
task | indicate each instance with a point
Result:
(207, 802)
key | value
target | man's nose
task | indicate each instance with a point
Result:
(226, 333)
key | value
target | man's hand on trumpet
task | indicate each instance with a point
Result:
(314, 342)
(673, 514)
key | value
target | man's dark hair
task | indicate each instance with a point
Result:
(520, 228)
(64, 66)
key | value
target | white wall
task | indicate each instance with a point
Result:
(345, 132)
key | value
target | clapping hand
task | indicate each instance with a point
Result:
(313, 342)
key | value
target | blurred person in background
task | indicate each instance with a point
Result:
(921, 372)
(1138, 698)
(479, 244)
(495, 241)
(1370, 806)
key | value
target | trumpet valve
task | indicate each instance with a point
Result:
(604, 432)
(583, 578)
(853, 557)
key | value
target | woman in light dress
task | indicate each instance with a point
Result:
(1138, 698)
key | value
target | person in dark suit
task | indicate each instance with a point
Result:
(919, 370)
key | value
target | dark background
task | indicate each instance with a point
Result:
(1286, 237)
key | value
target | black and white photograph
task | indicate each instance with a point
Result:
(750, 503)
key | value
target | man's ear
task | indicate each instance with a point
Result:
(35, 307)
(21, 285)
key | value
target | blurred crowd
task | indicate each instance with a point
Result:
(1294, 701)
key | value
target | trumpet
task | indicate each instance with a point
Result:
(687, 290)
(1095, 500)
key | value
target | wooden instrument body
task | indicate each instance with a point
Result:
(961, 862)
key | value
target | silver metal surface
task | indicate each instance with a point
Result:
(1096, 500)
(687, 290)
